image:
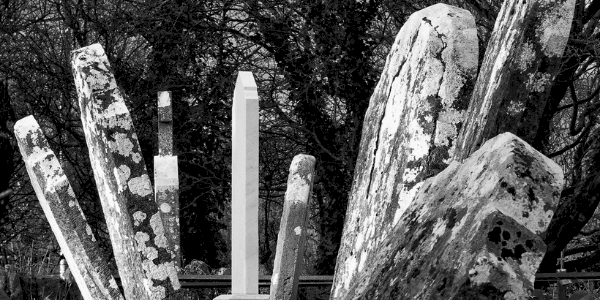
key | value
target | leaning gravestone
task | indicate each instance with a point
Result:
(57, 199)
(410, 129)
(292, 231)
(472, 232)
(142, 252)
(521, 61)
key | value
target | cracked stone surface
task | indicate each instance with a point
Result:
(522, 58)
(410, 127)
(473, 231)
(123, 183)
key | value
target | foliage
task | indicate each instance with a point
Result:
(316, 64)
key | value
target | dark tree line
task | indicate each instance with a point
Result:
(316, 64)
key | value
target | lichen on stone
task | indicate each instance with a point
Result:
(526, 56)
(121, 144)
(122, 176)
(160, 240)
(115, 116)
(140, 186)
(553, 30)
(538, 81)
(165, 208)
(138, 218)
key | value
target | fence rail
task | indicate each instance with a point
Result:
(192, 281)
(567, 275)
(224, 281)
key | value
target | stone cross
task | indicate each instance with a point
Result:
(142, 251)
(166, 177)
(292, 231)
(77, 242)
(244, 185)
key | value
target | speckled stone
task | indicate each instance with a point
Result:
(292, 230)
(472, 231)
(57, 199)
(523, 56)
(409, 130)
(123, 183)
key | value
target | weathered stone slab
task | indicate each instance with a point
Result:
(122, 180)
(292, 233)
(410, 128)
(74, 235)
(472, 232)
(522, 59)
(166, 181)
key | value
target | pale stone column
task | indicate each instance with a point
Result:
(142, 251)
(74, 235)
(244, 194)
(292, 231)
(166, 178)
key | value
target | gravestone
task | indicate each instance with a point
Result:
(472, 232)
(244, 191)
(522, 58)
(292, 231)
(409, 131)
(166, 178)
(144, 258)
(57, 199)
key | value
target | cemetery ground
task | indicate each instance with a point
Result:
(459, 184)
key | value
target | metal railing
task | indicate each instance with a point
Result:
(208, 281)
(224, 281)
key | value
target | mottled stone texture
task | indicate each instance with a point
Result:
(409, 130)
(521, 61)
(122, 180)
(292, 229)
(166, 177)
(78, 244)
(472, 232)
(166, 181)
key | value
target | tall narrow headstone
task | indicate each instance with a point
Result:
(166, 178)
(244, 191)
(57, 199)
(409, 131)
(292, 231)
(123, 183)
(522, 59)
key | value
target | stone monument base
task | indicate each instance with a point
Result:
(243, 297)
